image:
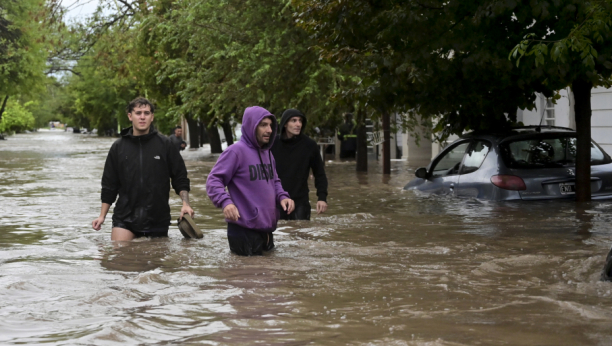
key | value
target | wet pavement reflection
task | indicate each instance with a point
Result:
(383, 267)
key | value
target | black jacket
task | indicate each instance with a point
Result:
(295, 158)
(139, 169)
(177, 141)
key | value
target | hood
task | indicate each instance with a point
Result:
(129, 133)
(288, 114)
(251, 118)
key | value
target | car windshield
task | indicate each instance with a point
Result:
(548, 152)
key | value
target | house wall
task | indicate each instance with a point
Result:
(601, 119)
(564, 111)
(416, 154)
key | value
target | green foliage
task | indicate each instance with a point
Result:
(97, 98)
(207, 60)
(218, 57)
(17, 117)
(579, 46)
(108, 75)
(23, 49)
(46, 102)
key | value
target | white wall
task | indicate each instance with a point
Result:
(601, 119)
(564, 111)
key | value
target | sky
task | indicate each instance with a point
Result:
(79, 9)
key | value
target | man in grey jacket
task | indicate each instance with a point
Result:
(177, 138)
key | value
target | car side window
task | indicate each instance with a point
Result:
(451, 161)
(475, 156)
(548, 152)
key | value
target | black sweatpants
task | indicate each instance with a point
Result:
(248, 242)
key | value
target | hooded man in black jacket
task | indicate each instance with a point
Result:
(138, 168)
(296, 154)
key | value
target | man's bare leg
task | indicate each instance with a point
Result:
(121, 234)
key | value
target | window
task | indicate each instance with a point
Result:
(449, 163)
(548, 152)
(475, 156)
(549, 113)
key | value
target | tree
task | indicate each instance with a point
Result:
(98, 96)
(205, 60)
(223, 56)
(46, 102)
(575, 50)
(111, 68)
(23, 48)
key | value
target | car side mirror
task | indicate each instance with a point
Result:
(421, 173)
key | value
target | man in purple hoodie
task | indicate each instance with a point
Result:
(248, 170)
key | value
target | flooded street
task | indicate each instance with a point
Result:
(382, 267)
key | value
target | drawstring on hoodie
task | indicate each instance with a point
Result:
(264, 170)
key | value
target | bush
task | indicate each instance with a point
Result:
(16, 118)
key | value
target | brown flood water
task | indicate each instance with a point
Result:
(383, 267)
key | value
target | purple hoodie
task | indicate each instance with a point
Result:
(249, 172)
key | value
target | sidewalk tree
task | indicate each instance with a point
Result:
(574, 48)
(23, 47)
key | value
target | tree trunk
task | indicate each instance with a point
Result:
(194, 133)
(582, 111)
(386, 125)
(203, 135)
(3, 106)
(215, 139)
(227, 131)
(362, 142)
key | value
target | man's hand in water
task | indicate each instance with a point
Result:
(97, 223)
(231, 212)
(288, 205)
(185, 209)
(321, 207)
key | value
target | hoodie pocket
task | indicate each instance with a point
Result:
(251, 222)
(265, 219)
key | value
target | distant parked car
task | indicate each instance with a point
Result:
(527, 163)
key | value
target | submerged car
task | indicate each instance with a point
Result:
(526, 163)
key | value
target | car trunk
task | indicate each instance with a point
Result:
(551, 183)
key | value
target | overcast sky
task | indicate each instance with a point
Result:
(79, 9)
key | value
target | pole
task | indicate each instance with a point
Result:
(386, 124)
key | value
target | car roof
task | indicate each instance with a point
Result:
(500, 135)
